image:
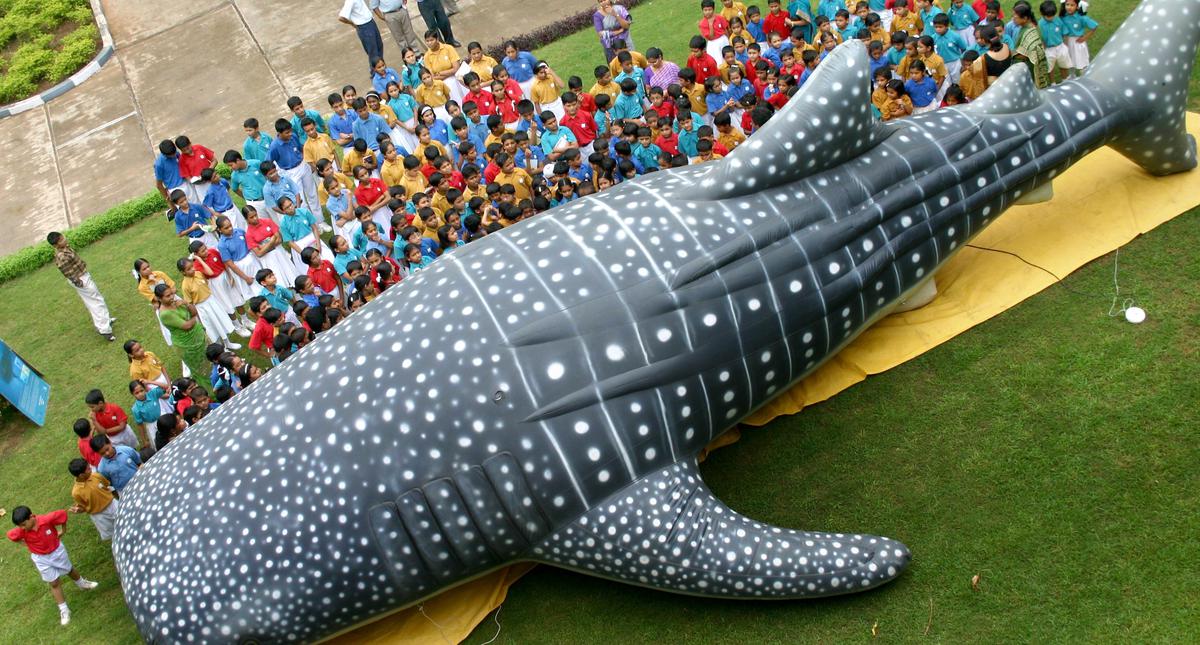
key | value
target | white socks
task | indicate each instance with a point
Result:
(85, 584)
(64, 614)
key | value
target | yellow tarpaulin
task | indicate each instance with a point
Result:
(1103, 202)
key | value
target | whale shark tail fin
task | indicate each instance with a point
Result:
(667, 531)
(1148, 63)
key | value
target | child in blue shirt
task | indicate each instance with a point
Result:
(685, 126)
(754, 24)
(645, 152)
(1053, 30)
(146, 408)
(629, 104)
(921, 88)
(1079, 29)
(218, 200)
(963, 19)
(381, 75)
(603, 115)
(949, 45)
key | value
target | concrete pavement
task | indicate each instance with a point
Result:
(195, 67)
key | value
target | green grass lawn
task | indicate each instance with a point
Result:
(43, 42)
(1047, 450)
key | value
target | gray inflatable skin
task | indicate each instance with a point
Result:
(542, 394)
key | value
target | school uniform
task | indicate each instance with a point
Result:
(950, 46)
(95, 497)
(236, 249)
(1076, 26)
(342, 125)
(546, 93)
(715, 32)
(404, 107)
(297, 229)
(256, 148)
(336, 205)
(628, 106)
(324, 276)
(367, 194)
(195, 213)
(963, 20)
(368, 130)
(909, 23)
(927, 17)
(46, 550)
(211, 311)
(166, 170)
(281, 298)
(297, 122)
(318, 148)
(342, 260)
(1058, 55)
(190, 166)
(521, 70)
(273, 191)
(121, 467)
(557, 141)
(278, 259)
(923, 94)
(219, 201)
(250, 182)
(228, 295)
(147, 411)
(289, 157)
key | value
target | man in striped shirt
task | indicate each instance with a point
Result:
(75, 270)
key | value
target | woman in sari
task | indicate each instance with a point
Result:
(187, 334)
(1030, 49)
(994, 61)
(612, 22)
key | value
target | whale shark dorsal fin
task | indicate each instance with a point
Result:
(827, 122)
(667, 531)
(1014, 92)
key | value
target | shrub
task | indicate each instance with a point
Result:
(31, 258)
(29, 27)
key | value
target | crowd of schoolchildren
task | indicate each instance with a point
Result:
(440, 151)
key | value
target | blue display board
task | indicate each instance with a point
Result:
(23, 386)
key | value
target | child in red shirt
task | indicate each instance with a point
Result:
(83, 430)
(776, 21)
(700, 62)
(322, 272)
(43, 538)
(111, 420)
(658, 103)
(668, 141)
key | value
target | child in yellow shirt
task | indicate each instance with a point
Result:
(547, 89)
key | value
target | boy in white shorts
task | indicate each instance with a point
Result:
(43, 537)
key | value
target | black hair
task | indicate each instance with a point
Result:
(93, 397)
(21, 514)
(77, 467)
(98, 442)
(81, 428)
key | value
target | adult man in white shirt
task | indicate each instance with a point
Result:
(357, 14)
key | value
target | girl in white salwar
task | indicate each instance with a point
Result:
(195, 290)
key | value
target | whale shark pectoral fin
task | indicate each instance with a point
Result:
(1039, 195)
(1013, 93)
(827, 122)
(668, 531)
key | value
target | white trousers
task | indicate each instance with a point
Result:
(97, 308)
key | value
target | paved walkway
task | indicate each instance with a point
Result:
(194, 67)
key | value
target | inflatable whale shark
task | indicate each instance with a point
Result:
(542, 394)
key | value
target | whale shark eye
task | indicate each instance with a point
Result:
(498, 396)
